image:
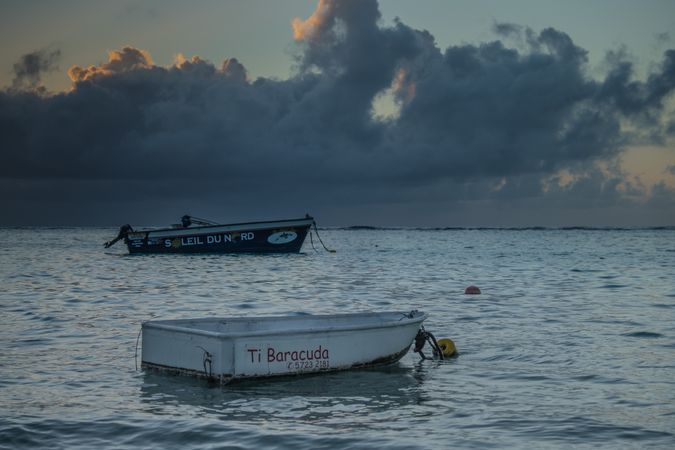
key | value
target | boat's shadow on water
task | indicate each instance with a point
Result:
(364, 390)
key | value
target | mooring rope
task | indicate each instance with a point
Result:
(208, 358)
(316, 230)
(311, 241)
(424, 336)
(136, 351)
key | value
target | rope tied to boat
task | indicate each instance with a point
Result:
(136, 351)
(423, 336)
(311, 241)
(207, 359)
(124, 231)
(316, 230)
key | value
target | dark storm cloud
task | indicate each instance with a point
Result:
(30, 67)
(634, 99)
(481, 122)
(491, 110)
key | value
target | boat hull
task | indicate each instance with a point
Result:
(283, 236)
(240, 348)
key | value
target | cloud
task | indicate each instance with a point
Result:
(125, 60)
(486, 125)
(662, 38)
(30, 67)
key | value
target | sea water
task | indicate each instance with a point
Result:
(570, 345)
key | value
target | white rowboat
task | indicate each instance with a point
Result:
(248, 347)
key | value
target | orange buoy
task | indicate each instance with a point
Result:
(472, 290)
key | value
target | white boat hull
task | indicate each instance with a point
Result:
(235, 348)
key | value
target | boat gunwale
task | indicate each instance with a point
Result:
(308, 219)
(404, 320)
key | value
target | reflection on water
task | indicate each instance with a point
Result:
(315, 397)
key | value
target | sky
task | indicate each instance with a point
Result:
(391, 113)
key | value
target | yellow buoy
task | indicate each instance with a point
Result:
(447, 347)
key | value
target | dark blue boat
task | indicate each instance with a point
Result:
(200, 236)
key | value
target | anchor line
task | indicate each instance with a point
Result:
(208, 358)
(423, 336)
(316, 230)
(136, 351)
(311, 241)
(122, 234)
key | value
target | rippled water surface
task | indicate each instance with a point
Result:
(570, 345)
